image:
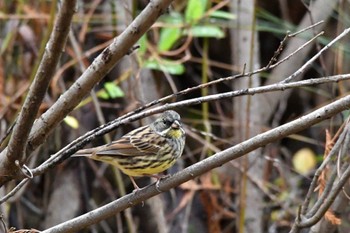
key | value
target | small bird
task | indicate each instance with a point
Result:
(145, 151)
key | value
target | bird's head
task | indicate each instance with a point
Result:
(169, 125)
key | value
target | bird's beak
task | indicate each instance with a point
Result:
(175, 125)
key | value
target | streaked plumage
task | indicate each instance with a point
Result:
(147, 150)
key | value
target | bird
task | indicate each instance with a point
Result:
(144, 151)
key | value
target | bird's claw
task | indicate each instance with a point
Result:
(157, 186)
(159, 178)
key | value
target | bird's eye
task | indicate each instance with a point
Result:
(166, 122)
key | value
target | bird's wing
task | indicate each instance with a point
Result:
(132, 145)
(87, 152)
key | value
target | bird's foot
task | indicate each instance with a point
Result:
(159, 177)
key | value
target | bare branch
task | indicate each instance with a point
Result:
(307, 28)
(206, 165)
(328, 201)
(18, 141)
(330, 192)
(316, 56)
(72, 97)
(77, 144)
(321, 10)
(90, 136)
(318, 172)
(268, 67)
(96, 71)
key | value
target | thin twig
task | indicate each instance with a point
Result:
(91, 135)
(226, 79)
(316, 56)
(307, 28)
(14, 190)
(204, 166)
(8, 132)
(324, 194)
(318, 46)
(318, 172)
(77, 144)
(328, 201)
(297, 50)
(35, 135)
(283, 42)
(96, 72)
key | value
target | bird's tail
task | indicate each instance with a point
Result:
(86, 152)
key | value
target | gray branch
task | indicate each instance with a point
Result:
(96, 71)
(16, 150)
(203, 166)
(82, 87)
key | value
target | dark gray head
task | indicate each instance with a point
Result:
(168, 123)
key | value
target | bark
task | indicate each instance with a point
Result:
(94, 73)
(247, 115)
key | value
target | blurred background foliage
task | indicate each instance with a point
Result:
(189, 45)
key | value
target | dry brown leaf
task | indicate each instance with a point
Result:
(329, 143)
(206, 184)
(322, 179)
(330, 216)
(210, 204)
(184, 201)
(321, 182)
(190, 185)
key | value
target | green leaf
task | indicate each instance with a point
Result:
(111, 91)
(222, 15)
(172, 18)
(168, 37)
(346, 113)
(165, 66)
(170, 33)
(206, 31)
(71, 121)
(195, 10)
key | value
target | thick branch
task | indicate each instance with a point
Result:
(27, 115)
(103, 129)
(95, 72)
(78, 143)
(203, 166)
